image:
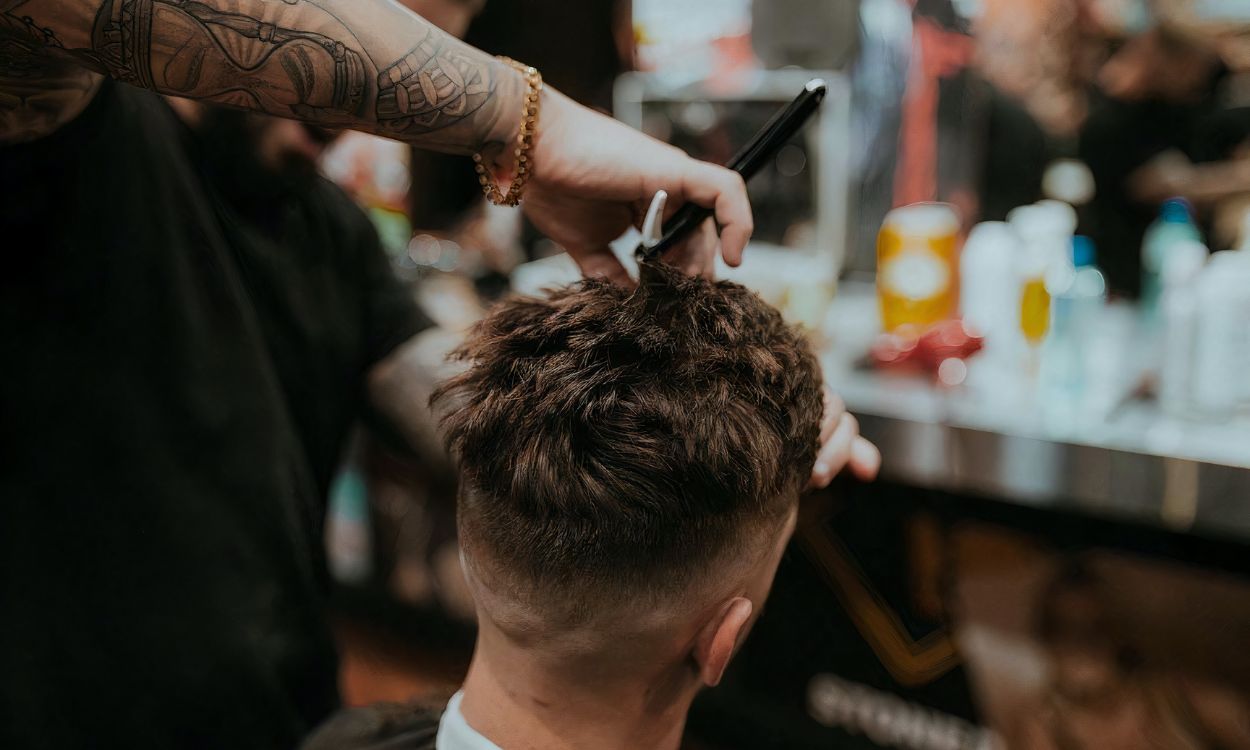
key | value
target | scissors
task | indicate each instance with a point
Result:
(652, 225)
(762, 147)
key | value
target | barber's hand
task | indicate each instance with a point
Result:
(841, 446)
(593, 177)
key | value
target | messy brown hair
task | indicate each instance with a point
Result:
(619, 440)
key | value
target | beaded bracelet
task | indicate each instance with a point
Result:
(525, 141)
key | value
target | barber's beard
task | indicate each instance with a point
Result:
(295, 170)
(229, 143)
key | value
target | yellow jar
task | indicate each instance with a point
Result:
(918, 265)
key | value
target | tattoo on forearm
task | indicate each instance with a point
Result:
(230, 57)
(294, 58)
(429, 87)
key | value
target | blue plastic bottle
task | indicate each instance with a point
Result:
(1173, 225)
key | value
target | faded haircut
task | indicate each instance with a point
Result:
(620, 442)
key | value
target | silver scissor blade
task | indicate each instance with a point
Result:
(653, 224)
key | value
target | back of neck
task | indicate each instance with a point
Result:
(519, 706)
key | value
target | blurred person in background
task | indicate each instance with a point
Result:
(1103, 692)
(1154, 100)
(1208, 160)
(1221, 187)
(1147, 104)
(1162, 121)
(160, 526)
(612, 585)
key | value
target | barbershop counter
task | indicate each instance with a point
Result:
(1106, 451)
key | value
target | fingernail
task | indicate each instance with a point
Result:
(820, 468)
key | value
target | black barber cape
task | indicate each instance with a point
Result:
(381, 726)
(161, 574)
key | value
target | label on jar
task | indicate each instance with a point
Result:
(916, 274)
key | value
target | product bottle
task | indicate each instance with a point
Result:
(1179, 305)
(1089, 287)
(1222, 343)
(987, 286)
(918, 265)
(1243, 254)
(1044, 262)
(1078, 293)
(1173, 225)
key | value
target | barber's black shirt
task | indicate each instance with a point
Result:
(160, 572)
(327, 299)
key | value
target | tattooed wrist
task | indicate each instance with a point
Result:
(500, 138)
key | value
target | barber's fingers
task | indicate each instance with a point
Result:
(723, 191)
(603, 264)
(835, 452)
(834, 409)
(696, 255)
(844, 448)
(865, 460)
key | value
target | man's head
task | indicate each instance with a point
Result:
(631, 464)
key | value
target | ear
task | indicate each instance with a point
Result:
(720, 637)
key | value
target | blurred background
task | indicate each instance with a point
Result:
(1019, 232)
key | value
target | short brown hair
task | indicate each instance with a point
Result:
(620, 440)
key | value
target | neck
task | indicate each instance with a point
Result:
(519, 705)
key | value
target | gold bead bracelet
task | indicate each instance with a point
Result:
(525, 142)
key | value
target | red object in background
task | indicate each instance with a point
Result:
(925, 350)
(937, 53)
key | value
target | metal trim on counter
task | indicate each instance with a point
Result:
(1176, 493)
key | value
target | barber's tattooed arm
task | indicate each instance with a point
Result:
(38, 91)
(367, 65)
(363, 64)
